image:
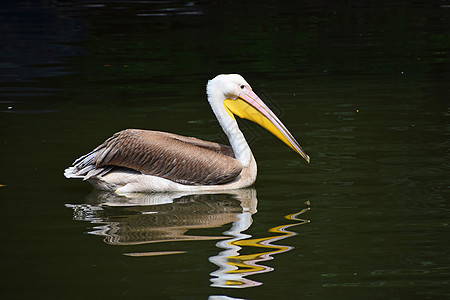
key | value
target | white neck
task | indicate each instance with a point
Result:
(229, 125)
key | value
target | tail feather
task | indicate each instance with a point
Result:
(85, 168)
(71, 172)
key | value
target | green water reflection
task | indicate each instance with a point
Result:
(136, 219)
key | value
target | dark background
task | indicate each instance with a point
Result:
(362, 85)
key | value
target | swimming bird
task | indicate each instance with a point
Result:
(135, 160)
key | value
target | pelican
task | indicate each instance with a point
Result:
(135, 160)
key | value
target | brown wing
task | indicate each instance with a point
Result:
(181, 159)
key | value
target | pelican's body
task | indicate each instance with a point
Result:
(151, 161)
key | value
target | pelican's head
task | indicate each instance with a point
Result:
(238, 99)
(229, 85)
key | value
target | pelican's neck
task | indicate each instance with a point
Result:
(237, 140)
(229, 125)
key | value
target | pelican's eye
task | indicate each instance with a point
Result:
(242, 87)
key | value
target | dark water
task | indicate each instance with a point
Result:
(364, 86)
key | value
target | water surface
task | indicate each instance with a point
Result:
(363, 86)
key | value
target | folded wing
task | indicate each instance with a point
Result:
(185, 160)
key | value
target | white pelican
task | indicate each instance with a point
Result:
(135, 160)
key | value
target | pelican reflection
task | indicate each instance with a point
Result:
(136, 219)
(234, 267)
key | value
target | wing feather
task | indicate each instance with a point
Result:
(185, 160)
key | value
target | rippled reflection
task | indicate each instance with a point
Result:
(234, 266)
(134, 219)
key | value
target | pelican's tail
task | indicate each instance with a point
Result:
(84, 168)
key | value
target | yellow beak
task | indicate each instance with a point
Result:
(249, 106)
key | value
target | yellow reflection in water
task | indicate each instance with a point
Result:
(138, 219)
(234, 267)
